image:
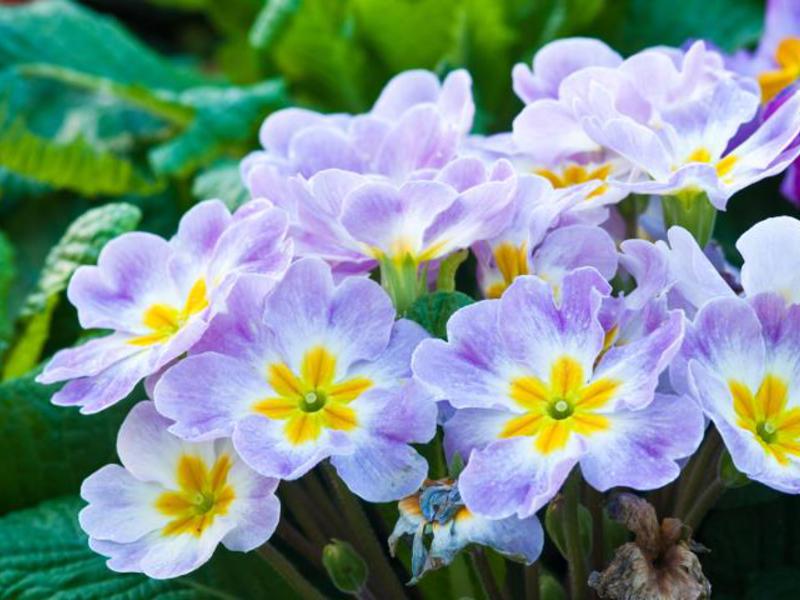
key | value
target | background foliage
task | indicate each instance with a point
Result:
(109, 123)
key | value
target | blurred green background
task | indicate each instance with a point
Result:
(137, 109)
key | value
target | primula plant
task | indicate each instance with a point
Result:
(421, 300)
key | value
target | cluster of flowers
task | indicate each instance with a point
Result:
(266, 348)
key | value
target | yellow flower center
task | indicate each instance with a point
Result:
(312, 400)
(787, 55)
(511, 261)
(165, 321)
(203, 495)
(774, 426)
(556, 410)
(574, 174)
(723, 166)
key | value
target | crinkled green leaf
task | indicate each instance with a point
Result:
(74, 165)
(44, 555)
(46, 450)
(80, 245)
(224, 116)
(432, 311)
(62, 33)
(222, 180)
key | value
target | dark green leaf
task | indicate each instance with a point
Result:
(554, 524)
(432, 311)
(80, 245)
(44, 555)
(45, 450)
(61, 33)
(7, 275)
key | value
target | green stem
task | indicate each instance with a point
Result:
(295, 540)
(402, 281)
(322, 500)
(578, 575)
(364, 538)
(532, 581)
(485, 575)
(303, 512)
(696, 472)
(594, 502)
(286, 570)
(691, 210)
(704, 502)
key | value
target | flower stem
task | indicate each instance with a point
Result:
(364, 539)
(484, 570)
(532, 581)
(578, 576)
(286, 570)
(694, 476)
(295, 540)
(692, 210)
(704, 503)
(594, 502)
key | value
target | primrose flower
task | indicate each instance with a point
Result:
(686, 146)
(536, 392)
(437, 513)
(534, 244)
(157, 296)
(745, 377)
(324, 373)
(415, 124)
(165, 511)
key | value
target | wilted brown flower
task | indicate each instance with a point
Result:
(660, 564)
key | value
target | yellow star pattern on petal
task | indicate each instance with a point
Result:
(313, 400)
(556, 410)
(203, 495)
(165, 321)
(787, 55)
(774, 426)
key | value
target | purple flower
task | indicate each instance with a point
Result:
(534, 244)
(741, 359)
(537, 392)
(322, 371)
(415, 124)
(157, 297)
(165, 511)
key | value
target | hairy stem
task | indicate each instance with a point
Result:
(532, 581)
(485, 575)
(703, 503)
(697, 473)
(578, 575)
(286, 570)
(364, 539)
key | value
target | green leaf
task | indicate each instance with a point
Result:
(550, 588)
(7, 276)
(554, 524)
(65, 34)
(80, 245)
(446, 278)
(317, 52)
(74, 165)
(432, 311)
(632, 25)
(224, 116)
(395, 28)
(46, 450)
(222, 180)
(271, 21)
(44, 554)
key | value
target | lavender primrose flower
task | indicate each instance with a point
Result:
(537, 392)
(437, 515)
(157, 297)
(324, 373)
(534, 244)
(164, 512)
(415, 124)
(745, 377)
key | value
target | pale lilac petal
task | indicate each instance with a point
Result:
(405, 413)
(771, 251)
(648, 264)
(323, 147)
(404, 91)
(257, 515)
(280, 127)
(88, 359)
(641, 448)
(696, 279)
(510, 478)
(394, 362)
(568, 248)
(517, 538)
(200, 228)
(381, 471)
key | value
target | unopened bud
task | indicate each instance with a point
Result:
(346, 568)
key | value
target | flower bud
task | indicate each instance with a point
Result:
(346, 568)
